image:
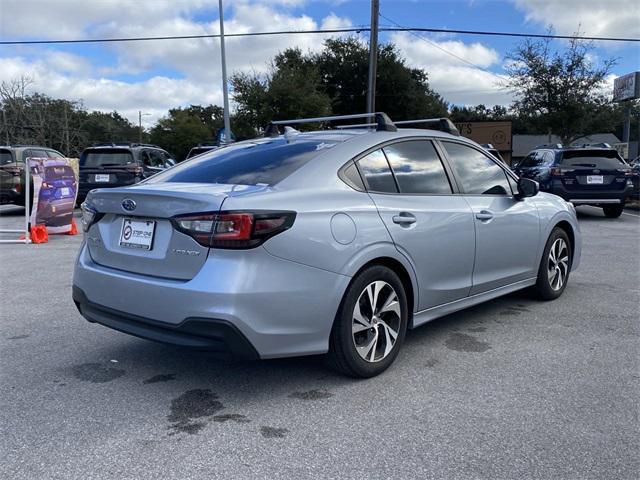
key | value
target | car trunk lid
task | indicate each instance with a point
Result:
(147, 209)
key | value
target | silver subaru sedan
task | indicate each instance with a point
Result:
(327, 242)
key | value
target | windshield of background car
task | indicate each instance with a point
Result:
(600, 159)
(58, 172)
(263, 162)
(105, 158)
(197, 151)
(5, 157)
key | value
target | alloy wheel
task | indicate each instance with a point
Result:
(376, 321)
(558, 264)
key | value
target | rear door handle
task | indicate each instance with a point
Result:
(484, 215)
(404, 218)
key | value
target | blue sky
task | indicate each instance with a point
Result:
(156, 76)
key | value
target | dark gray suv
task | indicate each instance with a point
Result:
(119, 164)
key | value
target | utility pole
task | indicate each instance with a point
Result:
(373, 56)
(139, 126)
(225, 92)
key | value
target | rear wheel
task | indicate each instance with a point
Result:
(613, 211)
(555, 266)
(370, 325)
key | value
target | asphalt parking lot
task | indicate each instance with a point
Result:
(511, 389)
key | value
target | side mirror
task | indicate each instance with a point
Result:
(527, 188)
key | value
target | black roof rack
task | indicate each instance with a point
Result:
(123, 144)
(382, 122)
(591, 145)
(441, 124)
(549, 145)
(207, 144)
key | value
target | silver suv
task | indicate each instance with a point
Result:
(332, 241)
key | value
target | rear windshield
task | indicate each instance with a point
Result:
(262, 162)
(600, 159)
(5, 157)
(62, 171)
(105, 158)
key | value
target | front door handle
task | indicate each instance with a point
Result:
(484, 215)
(404, 218)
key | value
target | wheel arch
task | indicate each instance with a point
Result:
(402, 271)
(568, 229)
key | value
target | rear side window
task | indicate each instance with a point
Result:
(106, 158)
(261, 162)
(61, 171)
(376, 172)
(537, 159)
(33, 153)
(5, 157)
(600, 159)
(479, 174)
(54, 154)
(417, 168)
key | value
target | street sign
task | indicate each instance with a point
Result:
(626, 87)
(497, 134)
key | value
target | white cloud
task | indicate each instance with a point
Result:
(458, 71)
(607, 18)
(194, 64)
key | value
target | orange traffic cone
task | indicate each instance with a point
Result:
(74, 228)
(38, 234)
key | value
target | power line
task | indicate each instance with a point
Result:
(317, 31)
(434, 44)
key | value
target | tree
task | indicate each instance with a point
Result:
(290, 90)
(559, 92)
(401, 92)
(183, 128)
(333, 81)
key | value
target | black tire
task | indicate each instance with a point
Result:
(343, 355)
(613, 211)
(543, 288)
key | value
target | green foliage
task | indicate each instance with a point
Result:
(333, 81)
(401, 92)
(559, 92)
(183, 128)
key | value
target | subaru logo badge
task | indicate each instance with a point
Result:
(128, 204)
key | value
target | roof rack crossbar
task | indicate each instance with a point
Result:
(383, 122)
(549, 145)
(442, 124)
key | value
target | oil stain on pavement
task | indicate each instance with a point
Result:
(466, 343)
(311, 395)
(192, 405)
(273, 432)
(18, 337)
(96, 373)
(231, 417)
(160, 378)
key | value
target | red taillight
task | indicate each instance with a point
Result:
(233, 229)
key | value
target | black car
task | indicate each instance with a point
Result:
(583, 175)
(119, 164)
(201, 148)
(635, 167)
(12, 175)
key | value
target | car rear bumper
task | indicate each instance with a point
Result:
(591, 197)
(208, 334)
(281, 308)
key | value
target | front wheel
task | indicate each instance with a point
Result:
(371, 323)
(555, 266)
(613, 211)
